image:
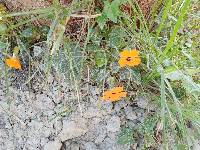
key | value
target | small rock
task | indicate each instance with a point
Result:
(43, 102)
(121, 104)
(107, 107)
(130, 114)
(101, 134)
(67, 144)
(71, 130)
(113, 135)
(74, 146)
(43, 141)
(92, 112)
(53, 145)
(113, 125)
(37, 50)
(142, 101)
(111, 144)
(96, 121)
(90, 146)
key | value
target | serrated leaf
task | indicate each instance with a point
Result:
(111, 10)
(101, 20)
(136, 76)
(115, 10)
(100, 59)
(99, 75)
(126, 136)
(114, 66)
(190, 86)
(117, 38)
(27, 32)
(2, 45)
(111, 81)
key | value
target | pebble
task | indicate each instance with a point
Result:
(142, 101)
(130, 114)
(113, 124)
(71, 130)
(53, 145)
(90, 146)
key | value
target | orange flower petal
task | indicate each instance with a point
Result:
(114, 94)
(13, 63)
(123, 94)
(124, 53)
(122, 62)
(129, 58)
(135, 62)
(106, 95)
(114, 97)
(133, 53)
(117, 89)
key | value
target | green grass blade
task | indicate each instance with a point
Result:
(181, 122)
(168, 5)
(176, 28)
(26, 21)
(58, 41)
(163, 104)
(36, 11)
(50, 33)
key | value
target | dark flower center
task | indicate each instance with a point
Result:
(128, 58)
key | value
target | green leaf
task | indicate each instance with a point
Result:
(27, 32)
(114, 66)
(2, 45)
(190, 86)
(126, 136)
(174, 75)
(112, 10)
(136, 76)
(117, 38)
(177, 26)
(100, 59)
(22, 46)
(101, 20)
(3, 28)
(115, 10)
(111, 81)
(99, 75)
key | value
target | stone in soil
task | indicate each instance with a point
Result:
(72, 130)
(53, 145)
(113, 124)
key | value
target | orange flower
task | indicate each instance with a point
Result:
(13, 62)
(114, 94)
(129, 58)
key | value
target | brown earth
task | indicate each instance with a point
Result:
(20, 5)
(76, 26)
